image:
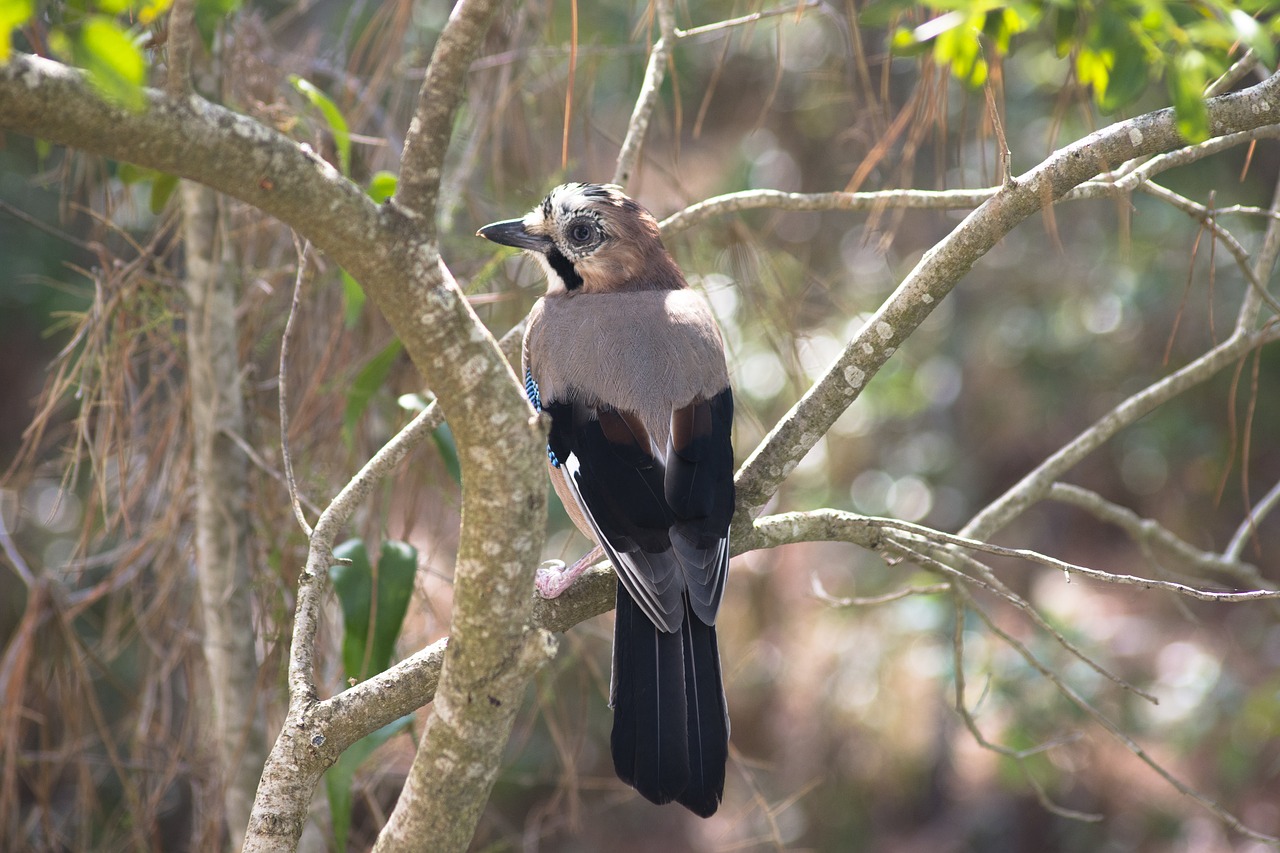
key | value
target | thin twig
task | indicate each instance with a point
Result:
(15, 556)
(986, 579)
(1018, 755)
(1208, 219)
(1112, 728)
(1146, 531)
(792, 9)
(1036, 484)
(302, 249)
(1233, 75)
(1068, 569)
(720, 205)
(1247, 527)
(262, 465)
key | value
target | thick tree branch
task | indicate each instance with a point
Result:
(395, 258)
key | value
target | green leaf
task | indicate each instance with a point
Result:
(1064, 30)
(1001, 26)
(209, 17)
(1251, 33)
(332, 116)
(13, 14)
(115, 64)
(448, 449)
(1129, 78)
(338, 779)
(162, 187)
(881, 13)
(149, 11)
(128, 173)
(959, 44)
(352, 300)
(1093, 68)
(1187, 76)
(374, 600)
(367, 383)
(382, 186)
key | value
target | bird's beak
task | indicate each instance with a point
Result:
(512, 233)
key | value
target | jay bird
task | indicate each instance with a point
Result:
(629, 364)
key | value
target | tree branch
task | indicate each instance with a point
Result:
(1152, 535)
(654, 72)
(1034, 486)
(422, 162)
(940, 270)
(394, 256)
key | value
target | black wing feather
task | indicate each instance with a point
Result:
(664, 524)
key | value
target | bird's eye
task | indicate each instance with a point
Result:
(580, 232)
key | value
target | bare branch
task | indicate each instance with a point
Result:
(1035, 485)
(283, 384)
(696, 214)
(15, 556)
(1151, 533)
(1208, 218)
(1233, 75)
(422, 162)
(796, 9)
(1247, 527)
(222, 556)
(654, 72)
(1112, 728)
(940, 269)
(1071, 568)
(1018, 755)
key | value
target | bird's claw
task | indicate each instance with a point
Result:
(552, 579)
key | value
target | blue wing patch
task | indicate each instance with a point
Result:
(531, 389)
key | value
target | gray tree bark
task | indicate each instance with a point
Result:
(221, 553)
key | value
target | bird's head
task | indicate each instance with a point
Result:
(591, 238)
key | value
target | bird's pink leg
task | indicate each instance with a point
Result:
(553, 578)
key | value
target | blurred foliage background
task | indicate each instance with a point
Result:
(844, 732)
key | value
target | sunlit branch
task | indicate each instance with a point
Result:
(655, 71)
(1250, 524)
(795, 9)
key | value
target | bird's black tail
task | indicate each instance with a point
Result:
(670, 723)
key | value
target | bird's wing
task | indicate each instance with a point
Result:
(662, 517)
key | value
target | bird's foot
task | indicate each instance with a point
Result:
(553, 578)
